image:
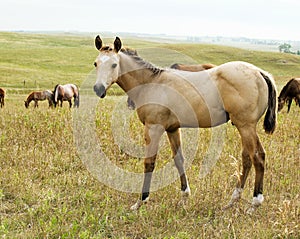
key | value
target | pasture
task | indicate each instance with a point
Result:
(46, 191)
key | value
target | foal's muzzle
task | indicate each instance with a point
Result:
(100, 91)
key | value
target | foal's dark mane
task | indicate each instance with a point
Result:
(285, 88)
(133, 54)
(106, 48)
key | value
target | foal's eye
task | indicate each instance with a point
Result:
(114, 65)
(95, 64)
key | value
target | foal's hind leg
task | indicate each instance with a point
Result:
(174, 138)
(253, 152)
(153, 134)
(246, 164)
(259, 164)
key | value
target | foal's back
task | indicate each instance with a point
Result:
(238, 86)
(235, 90)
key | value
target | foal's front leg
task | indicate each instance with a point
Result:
(174, 138)
(153, 134)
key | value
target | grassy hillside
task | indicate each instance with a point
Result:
(36, 61)
(282, 66)
(46, 191)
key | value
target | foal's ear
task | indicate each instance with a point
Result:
(117, 44)
(98, 42)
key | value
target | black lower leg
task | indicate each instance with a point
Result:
(149, 167)
(183, 182)
(146, 186)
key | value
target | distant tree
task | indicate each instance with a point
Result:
(285, 47)
(298, 52)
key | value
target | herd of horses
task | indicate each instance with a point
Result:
(59, 94)
(196, 97)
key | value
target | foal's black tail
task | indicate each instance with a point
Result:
(271, 114)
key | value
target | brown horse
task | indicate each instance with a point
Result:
(170, 99)
(66, 93)
(2, 95)
(289, 92)
(192, 68)
(39, 96)
(182, 67)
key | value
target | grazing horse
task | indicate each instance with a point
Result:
(182, 67)
(289, 92)
(169, 99)
(65, 93)
(39, 96)
(192, 68)
(2, 95)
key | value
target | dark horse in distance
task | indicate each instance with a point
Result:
(2, 95)
(289, 92)
(39, 96)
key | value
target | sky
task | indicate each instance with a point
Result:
(262, 19)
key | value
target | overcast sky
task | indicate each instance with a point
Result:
(271, 19)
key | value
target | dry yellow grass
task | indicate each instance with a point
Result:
(47, 192)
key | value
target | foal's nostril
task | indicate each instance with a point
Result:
(100, 90)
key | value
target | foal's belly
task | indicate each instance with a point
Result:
(181, 104)
(182, 116)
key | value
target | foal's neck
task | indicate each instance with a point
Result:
(133, 74)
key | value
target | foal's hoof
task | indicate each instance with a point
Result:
(236, 196)
(184, 197)
(256, 202)
(138, 204)
(186, 193)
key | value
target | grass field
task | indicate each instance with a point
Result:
(46, 190)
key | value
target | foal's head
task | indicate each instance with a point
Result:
(107, 66)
